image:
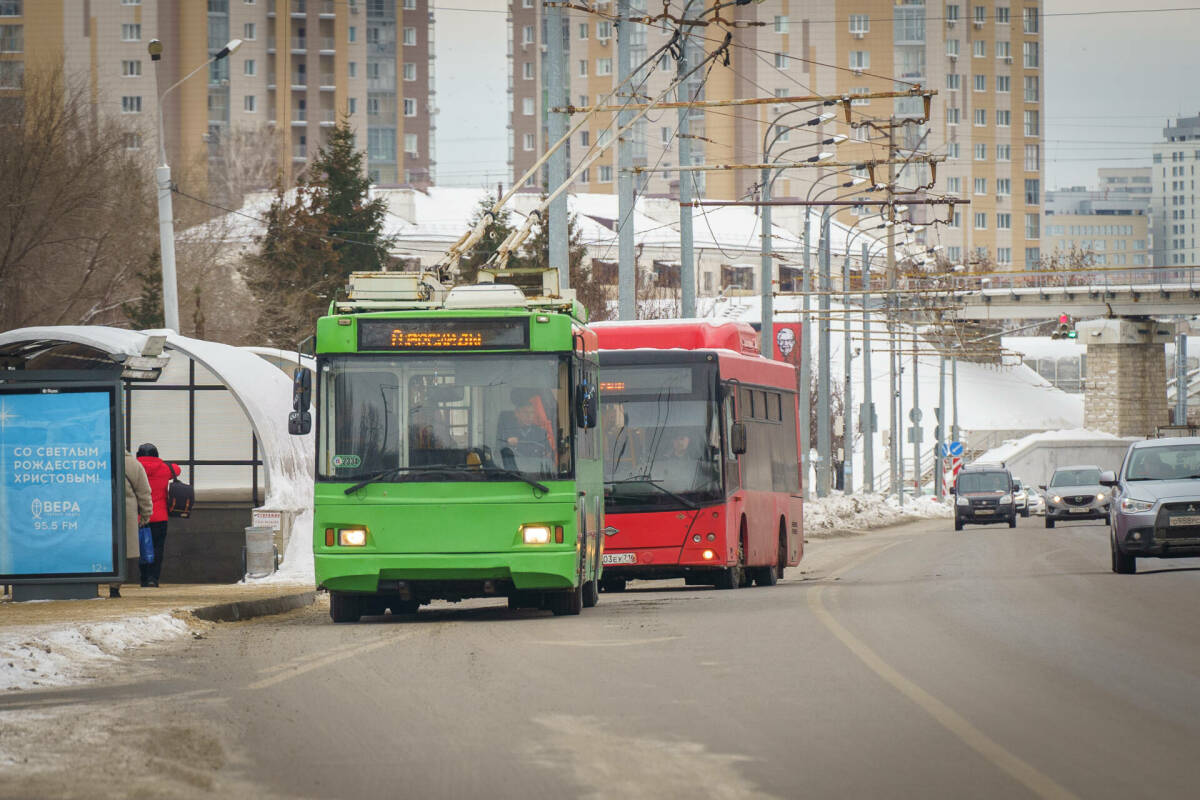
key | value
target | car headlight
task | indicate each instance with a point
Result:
(962, 501)
(352, 537)
(535, 534)
(1100, 496)
(1135, 506)
(1005, 499)
(1056, 499)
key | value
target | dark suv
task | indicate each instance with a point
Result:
(1156, 502)
(984, 495)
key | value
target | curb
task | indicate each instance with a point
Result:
(248, 609)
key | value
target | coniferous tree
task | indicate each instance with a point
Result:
(147, 312)
(494, 235)
(588, 291)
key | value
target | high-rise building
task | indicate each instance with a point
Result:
(1175, 200)
(983, 58)
(1108, 226)
(302, 65)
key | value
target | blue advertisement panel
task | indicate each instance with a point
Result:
(57, 510)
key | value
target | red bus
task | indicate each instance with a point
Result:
(701, 455)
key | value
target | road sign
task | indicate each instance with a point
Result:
(915, 434)
(914, 415)
(952, 449)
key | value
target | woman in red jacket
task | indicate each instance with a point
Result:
(160, 473)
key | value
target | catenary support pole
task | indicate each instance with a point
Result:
(806, 356)
(556, 91)
(938, 472)
(847, 393)
(687, 260)
(954, 432)
(866, 418)
(767, 334)
(824, 422)
(916, 404)
(626, 285)
(893, 357)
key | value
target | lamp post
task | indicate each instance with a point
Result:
(162, 179)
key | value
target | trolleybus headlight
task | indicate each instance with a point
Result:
(352, 537)
(535, 534)
(708, 555)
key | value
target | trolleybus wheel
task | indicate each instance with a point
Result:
(401, 607)
(591, 589)
(568, 603)
(344, 607)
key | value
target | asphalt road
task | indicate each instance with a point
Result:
(915, 662)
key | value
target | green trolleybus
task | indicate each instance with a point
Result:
(457, 448)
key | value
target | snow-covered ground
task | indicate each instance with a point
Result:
(44, 655)
(856, 512)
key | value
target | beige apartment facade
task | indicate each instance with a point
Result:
(984, 59)
(302, 65)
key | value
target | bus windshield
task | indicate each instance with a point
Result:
(662, 442)
(446, 418)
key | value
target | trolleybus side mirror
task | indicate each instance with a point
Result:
(1108, 478)
(737, 438)
(585, 406)
(300, 420)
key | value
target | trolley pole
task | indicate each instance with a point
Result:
(556, 90)
(626, 269)
(866, 417)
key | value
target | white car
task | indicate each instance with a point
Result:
(1037, 503)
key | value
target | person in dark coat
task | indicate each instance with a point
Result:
(159, 473)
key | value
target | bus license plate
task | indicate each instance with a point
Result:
(1185, 520)
(619, 558)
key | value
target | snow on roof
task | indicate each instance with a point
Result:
(263, 392)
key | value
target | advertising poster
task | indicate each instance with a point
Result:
(787, 343)
(57, 511)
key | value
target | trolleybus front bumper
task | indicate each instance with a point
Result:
(471, 574)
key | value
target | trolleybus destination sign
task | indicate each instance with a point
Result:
(443, 334)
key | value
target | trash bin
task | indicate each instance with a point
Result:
(260, 556)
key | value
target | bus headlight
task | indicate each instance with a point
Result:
(352, 537)
(535, 534)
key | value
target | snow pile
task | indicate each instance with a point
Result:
(1012, 447)
(46, 656)
(297, 565)
(841, 512)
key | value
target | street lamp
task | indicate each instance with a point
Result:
(162, 179)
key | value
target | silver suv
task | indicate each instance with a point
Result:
(1157, 511)
(1076, 493)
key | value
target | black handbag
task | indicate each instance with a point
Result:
(180, 497)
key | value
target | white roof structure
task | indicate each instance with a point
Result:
(263, 392)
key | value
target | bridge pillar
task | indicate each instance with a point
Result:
(1126, 389)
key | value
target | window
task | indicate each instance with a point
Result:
(585, 138)
(1002, 15)
(12, 74)
(952, 48)
(10, 8)
(373, 106)
(859, 23)
(249, 67)
(1003, 117)
(859, 59)
(980, 221)
(1033, 157)
(1002, 83)
(981, 152)
(1031, 54)
(133, 141)
(352, 34)
(605, 173)
(980, 15)
(131, 69)
(952, 13)
(781, 61)
(249, 31)
(951, 116)
(352, 68)
(353, 105)
(1032, 226)
(1033, 192)
(1004, 222)
(410, 37)
(1003, 254)
(952, 150)
(956, 219)
(781, 24)
(1032, 89)
(410, 144)
(860, 101)
(953, 80)
(410, 106)
(981, 186)
(1032, 123)
(1003, 186)
(604, 66)
(1029, 19)
(604, 30)
(583, 68)
(131, 104)
(980, 117)
(131, 32)
(249, 103)
(1004, 152)
(527, 35)
(1033, 255)
(527, 141)
(585, 176)
(981, 83)
(583, 30)
(979, 48)
(527, 106)
(409, 71)
(410, 5)
(954, 185)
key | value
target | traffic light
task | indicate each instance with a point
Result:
(1065, 329)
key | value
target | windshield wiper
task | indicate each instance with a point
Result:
(541, 487)
(387, 473)
(657, 485)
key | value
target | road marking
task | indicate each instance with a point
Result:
(341, 655)
(1025, 773)
(612, 643)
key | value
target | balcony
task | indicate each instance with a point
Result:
(299, 152)
(299, 81)
(299, 44)
(299, 8)
(328, 82)
(328, 46)
(328, 117)
(326, 9)
(299, 116)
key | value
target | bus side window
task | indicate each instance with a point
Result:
(733, 480)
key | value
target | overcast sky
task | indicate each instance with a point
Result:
(1112, 82)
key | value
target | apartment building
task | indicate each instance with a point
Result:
(1174, 199)
(1105, 226)
(983, 58)
(301, 66)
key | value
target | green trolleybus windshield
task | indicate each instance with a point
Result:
(449, 417)
(662, 440)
